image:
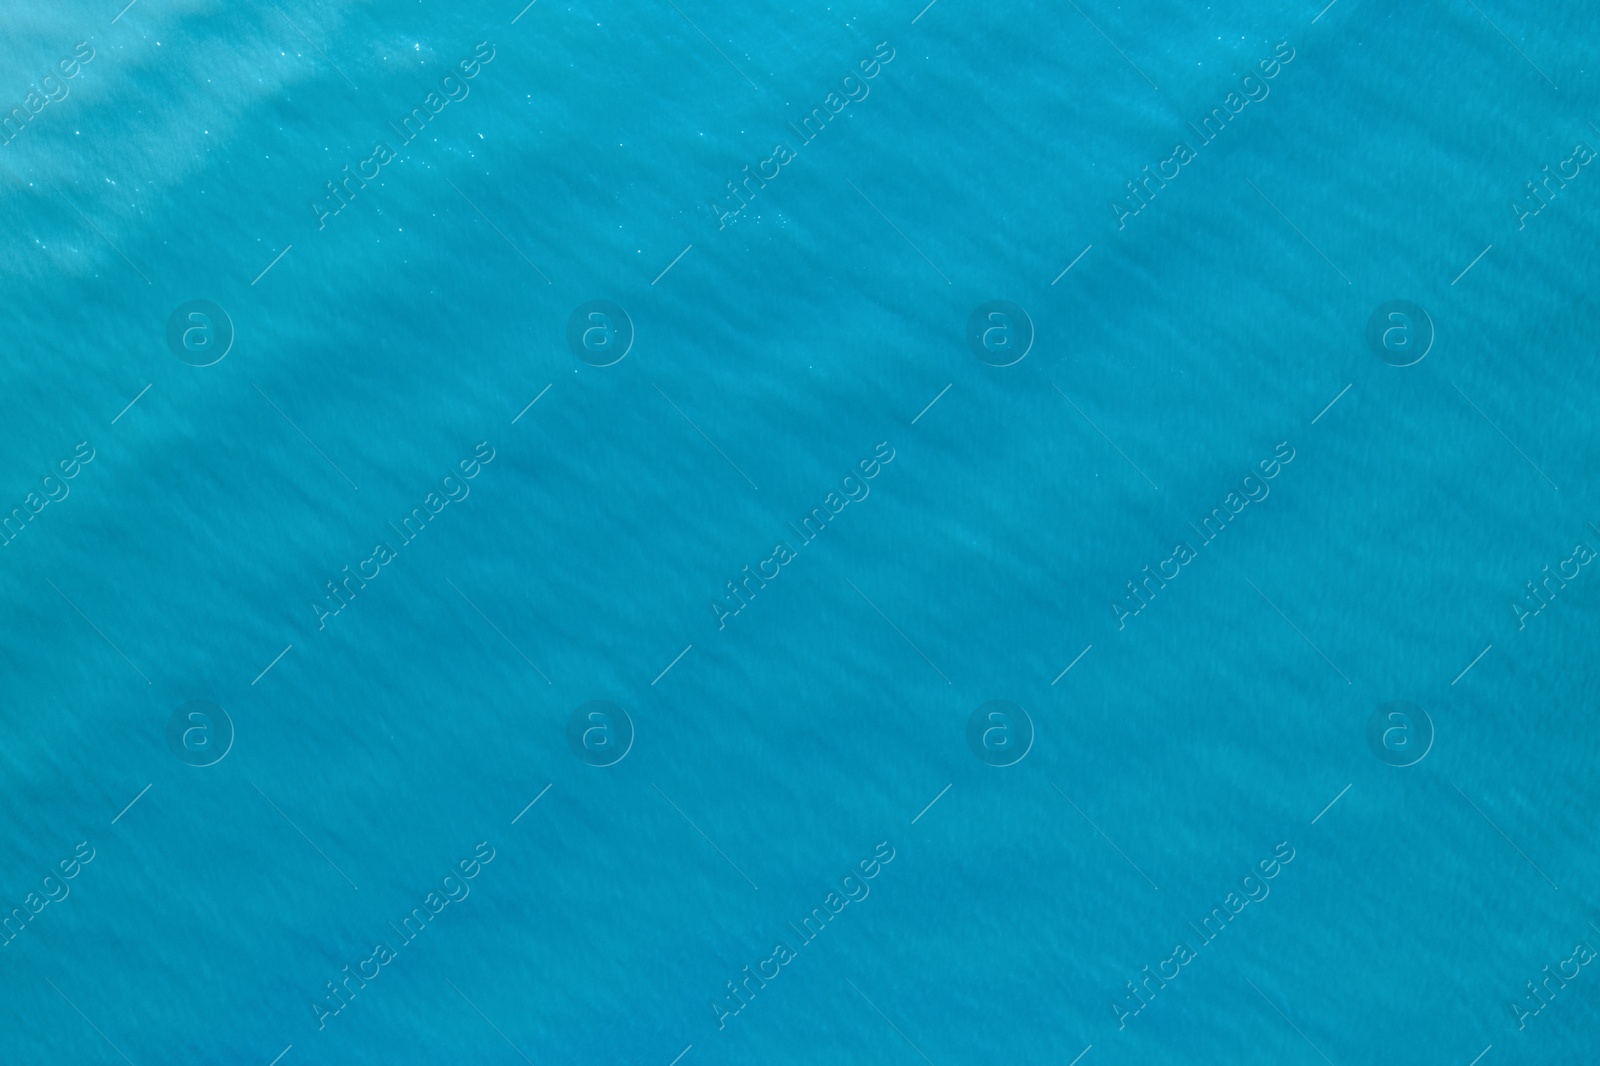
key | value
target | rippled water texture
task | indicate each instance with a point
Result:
(592, 533)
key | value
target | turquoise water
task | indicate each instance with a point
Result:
(405, 664)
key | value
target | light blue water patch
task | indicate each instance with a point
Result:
(515, 550)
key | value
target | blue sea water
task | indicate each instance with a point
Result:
(289, 780)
